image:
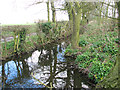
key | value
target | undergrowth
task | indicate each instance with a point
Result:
(36, 35)
(99, 50)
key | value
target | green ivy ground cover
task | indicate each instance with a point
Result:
(98, 50)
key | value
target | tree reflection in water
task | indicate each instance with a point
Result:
(49, 65)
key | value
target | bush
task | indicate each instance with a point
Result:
(46, 27)
(9, 45)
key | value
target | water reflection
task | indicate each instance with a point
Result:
(48, 65)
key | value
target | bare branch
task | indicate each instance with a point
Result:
(114, 6)
(107, 17)
(36, 3)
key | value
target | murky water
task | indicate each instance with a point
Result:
(46, 64)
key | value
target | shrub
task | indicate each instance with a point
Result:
(8, 45)
(46, 27)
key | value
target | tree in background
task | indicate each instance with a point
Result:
(48, 10)
(48, 7)
(53, 11)
(77, 13)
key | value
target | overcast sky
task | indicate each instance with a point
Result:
(18, 12)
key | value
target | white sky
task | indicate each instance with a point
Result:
(16, 12)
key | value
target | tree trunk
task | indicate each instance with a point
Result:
(53, 11)
(118, 4)
(48, 11)
(69, 10)
(107, 10)
(100, 12)
(76, 28)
